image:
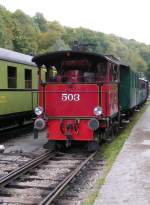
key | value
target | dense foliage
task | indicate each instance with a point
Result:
(34, 35)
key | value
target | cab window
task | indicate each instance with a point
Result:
(113, 72)
(101, 74)
(51, 74)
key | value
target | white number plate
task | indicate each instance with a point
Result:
(70, 97)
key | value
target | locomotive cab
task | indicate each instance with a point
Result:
(79, 96)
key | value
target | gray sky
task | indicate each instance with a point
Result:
(125, 18)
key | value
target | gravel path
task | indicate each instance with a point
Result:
(26, 144)
(128, 183)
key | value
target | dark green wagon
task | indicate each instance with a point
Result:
(18, 87)
(131, 92)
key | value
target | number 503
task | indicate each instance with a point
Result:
(70, 97)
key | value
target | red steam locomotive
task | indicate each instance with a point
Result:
(78, 98)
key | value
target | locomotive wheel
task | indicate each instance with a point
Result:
(116, 129)
(112, 133)
(102, 135)
(109, 134)
(98, 136)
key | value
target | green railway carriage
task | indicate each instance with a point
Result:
(18, 87)
(133, 90)
(143, 91)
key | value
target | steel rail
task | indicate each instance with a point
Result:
(25, 168)
(61, 186)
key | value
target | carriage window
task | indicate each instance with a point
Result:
(101, 72)
(28, 78)
(12, 77)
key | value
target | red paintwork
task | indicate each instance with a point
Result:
(89, 99)
(84, 133)
(56, 107)
(109, 99)
(68, 107)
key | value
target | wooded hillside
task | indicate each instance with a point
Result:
(34, 35)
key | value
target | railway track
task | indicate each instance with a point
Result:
(42, 179)
(13, 160)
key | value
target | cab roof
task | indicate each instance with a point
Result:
(54, 58)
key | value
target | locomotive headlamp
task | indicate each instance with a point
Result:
(39, 124)
(38, 111)
(97, 111)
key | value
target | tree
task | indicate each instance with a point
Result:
(47, 39)
(41, 22)
(6, 36)
(22, 33)
(147, 72)
(25, 33)
(59, 45)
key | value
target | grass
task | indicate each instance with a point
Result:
(110, 151)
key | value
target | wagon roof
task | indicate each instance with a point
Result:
(58, 56)
(12, 56)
